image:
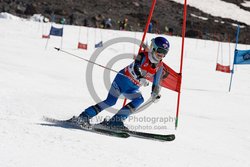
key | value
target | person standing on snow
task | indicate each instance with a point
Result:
(127, 82)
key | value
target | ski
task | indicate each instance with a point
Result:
(109, 132)
(70, 125)
(143, 135)
(152, 136)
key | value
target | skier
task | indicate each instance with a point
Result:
(127, 82)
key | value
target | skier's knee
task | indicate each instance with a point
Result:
(138, 101)
(110, 101)
(141, 100)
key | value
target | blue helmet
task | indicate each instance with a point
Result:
(160, 45)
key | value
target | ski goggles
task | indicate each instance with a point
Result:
(162, 51)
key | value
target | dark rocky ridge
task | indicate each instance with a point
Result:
(167, 13)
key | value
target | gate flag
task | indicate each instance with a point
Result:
(98, 45)
(82, 46)
(56, 31)
(242, 57)
(45, 36)
(170, 79)
(223, 68)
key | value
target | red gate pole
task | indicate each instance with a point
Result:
(145, 32)
(182, 52)
(147, 25)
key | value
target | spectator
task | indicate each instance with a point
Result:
(123, 24)
(53, 17)
(150, 28)
(45, 20)
(170, 31)
(107, 23)
(99, 21)
(71, 19)
(85, 22)
(63, 20)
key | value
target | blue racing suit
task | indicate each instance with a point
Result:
(127, 83)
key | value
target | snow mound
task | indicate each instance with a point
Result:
(8, 16)
(38, 18)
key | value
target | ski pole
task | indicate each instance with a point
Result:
(148, 102)
(89, 61)
(143, 106)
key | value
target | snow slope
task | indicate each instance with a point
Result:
(221, 8)
(35, 82)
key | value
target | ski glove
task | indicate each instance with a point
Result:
(144, 82)
(155, 97)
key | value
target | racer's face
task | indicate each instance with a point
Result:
(159, 56)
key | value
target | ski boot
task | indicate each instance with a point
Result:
(112, 125)
(82, 120)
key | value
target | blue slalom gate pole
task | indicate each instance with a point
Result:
(237, 39)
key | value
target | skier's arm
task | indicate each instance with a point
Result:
(137, 65)
(156, 85)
